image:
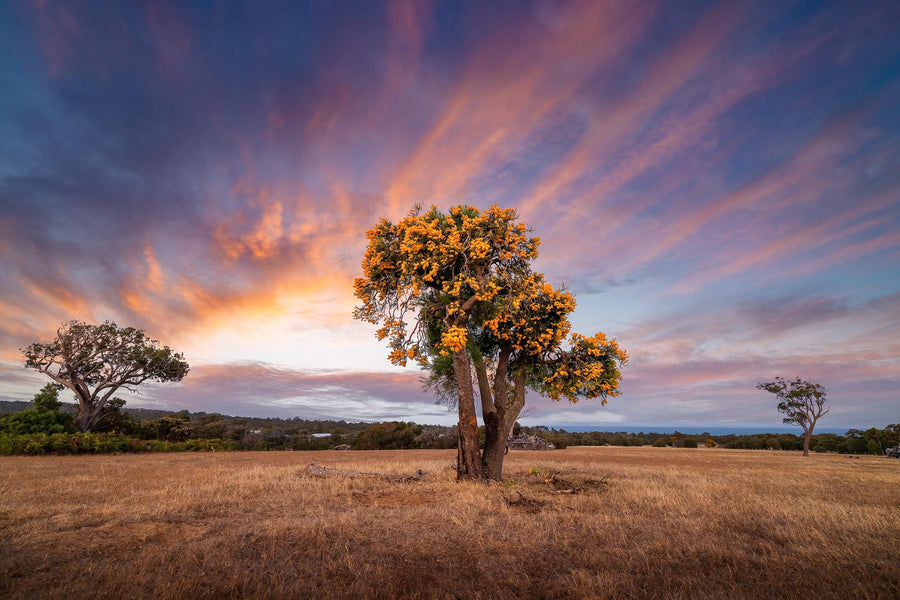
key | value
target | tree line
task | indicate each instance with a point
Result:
(873, 441)
(47, 426)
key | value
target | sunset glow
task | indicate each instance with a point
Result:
(718, 184)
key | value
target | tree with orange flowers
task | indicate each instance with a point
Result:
(455, 292)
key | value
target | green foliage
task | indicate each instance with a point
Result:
(456, 293)
(801, 402)
(559, 438)
(437, 438)
(660, 443)
(99, 443)
(47, 400)
(36, 421)
(96, 360)
(174, 428)
(689, 443)
(45, 417)
(394, 435)
(112, 419)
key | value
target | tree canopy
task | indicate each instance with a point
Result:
(456, 293)
(94, 361)
(802, 402)
(45, 417)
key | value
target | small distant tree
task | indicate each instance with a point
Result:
(45, 417)
(802, 403)
(96, 360)
(47, 399)
(173, 428)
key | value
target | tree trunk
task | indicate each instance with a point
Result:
(496, 436)
(87, 412)
(806, 439)
(498, 423)
(468, 465)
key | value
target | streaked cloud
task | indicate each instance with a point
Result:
(718, 184)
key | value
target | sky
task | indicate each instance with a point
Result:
(718, 183)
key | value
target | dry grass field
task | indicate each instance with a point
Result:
(646, 523)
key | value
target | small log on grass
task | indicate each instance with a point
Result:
(532, 504)
(319, 471)
(562, 486)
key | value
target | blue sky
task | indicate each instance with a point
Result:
(718, 183)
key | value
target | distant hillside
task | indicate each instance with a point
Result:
(141, 414)
(13, 407)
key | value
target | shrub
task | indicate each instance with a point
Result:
(37, 421)
(395, 435)
(101, 443)
(659, 443)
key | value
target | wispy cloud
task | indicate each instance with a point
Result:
(716, 182)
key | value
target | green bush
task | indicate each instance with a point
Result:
(100, 443)
(37, 421)
(659, 443)
(394, 435)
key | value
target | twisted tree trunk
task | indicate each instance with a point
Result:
(498, 421)
(468, 465)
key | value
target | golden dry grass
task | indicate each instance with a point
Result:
(667, 523)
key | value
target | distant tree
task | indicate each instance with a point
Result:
(173, 428)
(892, 436)
(393, 435)
(802, 403)
(873, 440)
(94, 361)
(47, 399)
(45, 417)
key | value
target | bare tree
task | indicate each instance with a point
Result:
(96, 360)
(802, 403)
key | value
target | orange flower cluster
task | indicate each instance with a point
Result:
(589, 369)
(465, 257)
(468, 273)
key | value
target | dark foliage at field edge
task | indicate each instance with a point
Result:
(143, 430)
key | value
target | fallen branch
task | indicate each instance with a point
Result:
(525, 502)
(319, 471)
(562, 486)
